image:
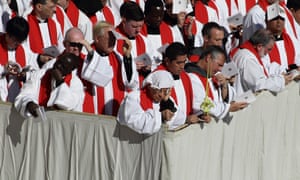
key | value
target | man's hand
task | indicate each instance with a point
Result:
(31, 108)
(127, 47)
(235, 106)
(167, 114)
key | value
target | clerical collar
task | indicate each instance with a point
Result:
(41, 20)
(131, 38)
(278, 37)
(102, 54)
(176, 77)
(153, 30)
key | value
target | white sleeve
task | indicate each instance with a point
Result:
(97, 70)
(29, 92)
(68, 97)
(254, 78)
(132, 115)
(3, 85)
(178, 119)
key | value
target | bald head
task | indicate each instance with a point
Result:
(73, 41)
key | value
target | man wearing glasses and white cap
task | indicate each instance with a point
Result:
(142, 110)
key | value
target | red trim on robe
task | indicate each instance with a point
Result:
(201, 13)
(204, 81)
(35, 37)
(45, 87)
(60, 18)
(109, 17)
(145, 101)
(73, 13)
(19, 53)
(249, 46)
(289, 48)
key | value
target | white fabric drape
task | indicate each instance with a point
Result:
(260, 142)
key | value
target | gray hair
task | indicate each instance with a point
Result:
(261, 36)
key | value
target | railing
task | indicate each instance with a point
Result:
(258, 143)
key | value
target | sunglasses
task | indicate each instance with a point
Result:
(75, 44)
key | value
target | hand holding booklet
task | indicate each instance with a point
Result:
(51, 51)
(229, 70)
(145, 58)
(248, 97)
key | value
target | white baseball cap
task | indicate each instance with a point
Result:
(159, 79)
(274, 11)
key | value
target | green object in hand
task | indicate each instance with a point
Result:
(206, 105)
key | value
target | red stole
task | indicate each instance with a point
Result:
(201, 13)
(213, 5)
(249, 4)
(187, 86)
(73, 13)
(228, 2)
(204, 82)
(20, 54)
(291, 20)
(117, 85)
(145, 101)
(35, 37)
(140, 44)
(45, 87)
(60, 18)
(166, 33)
(109, 17)
(247, 45)
(289, 48)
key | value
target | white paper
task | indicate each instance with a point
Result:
(51, 51)
(179, 6)
(229, 70)
(145, 58)
(117, 35)
(248, 97)
(295, 73)
(236, 19)
(162, 49)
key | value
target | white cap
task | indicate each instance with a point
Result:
(159, 79)
(274, 11)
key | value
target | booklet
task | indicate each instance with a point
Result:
(236, 19)
(51, 51)
(179, 6)
(144, 58)
(162, 49)
(229, 70)
(248, 97)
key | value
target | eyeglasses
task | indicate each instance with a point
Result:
(75, 44)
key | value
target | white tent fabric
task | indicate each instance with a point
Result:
(259, 142)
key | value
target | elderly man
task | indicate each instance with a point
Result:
(253, 71)
(109, 74)
(141, 110)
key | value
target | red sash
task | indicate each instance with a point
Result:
(140, 44)
(201, 13)
(204, 81)
(166, 33)
(109, 17)
(249, 4)
(73, 13)
(35, 37)
(117, 84)
(145, 101)
(60, 18)
(247, 45)
(291, 19)
(289, 48)
(228, 2)
(213, 5)
(45, 87)
(188, 90)
(19, 53)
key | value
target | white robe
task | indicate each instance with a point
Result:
(220, 108)
(64, 96)
(131, 114)
(251, 74)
